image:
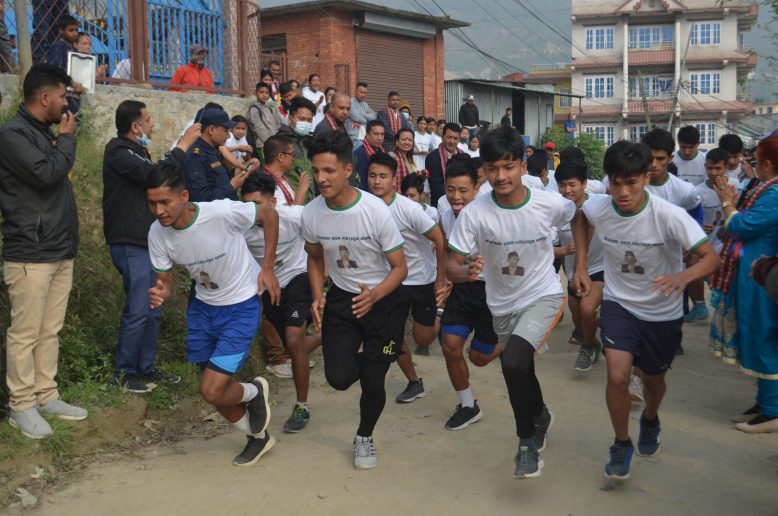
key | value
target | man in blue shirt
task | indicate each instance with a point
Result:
(570, 127)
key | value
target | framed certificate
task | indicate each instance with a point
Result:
(83, 69)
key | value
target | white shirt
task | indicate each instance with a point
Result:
(365, 229)
(279, 193)
(532, 182)
(234, 142)
(736, 173)
(713, 214)
(431, 212)
(421, 142)
(594, 256)
(435, 141)
(595, 186)
(212, 249)
(551, 186)
(676, 191)
(414, 225)
(314, 97)
(516, 244)
(462, 146)
(473, 153)
(691, 170)
(640, 247)
(291, 258)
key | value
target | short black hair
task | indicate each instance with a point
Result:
(451, 126)
(81, 34)
(275, 145)
(412, 181)
(688, 135)
(300, 102)
(240, 119)
(273, 62)
(659, 140)
(478, 161)
(537, 163)
(502, 143)
(383, 159)
(442, 121)
(261, 182)
(572, 153)
(361, 84)
(261, 85)
(43, 76)
(431, 120)
(167, 174)
(66, 20)
(334, 142)
(571, 169)
(461, 165)
(285, 88)
(310, 77)
(625, 159)
(265, 72)
(213, 105)
(392, 94)
(374, 123)
(716, 155)
(731, 143)
(127, 112)
(530, 148)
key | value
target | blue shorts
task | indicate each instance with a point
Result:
(220, 336)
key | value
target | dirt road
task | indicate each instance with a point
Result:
(704, 467)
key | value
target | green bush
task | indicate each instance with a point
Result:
(593, 149)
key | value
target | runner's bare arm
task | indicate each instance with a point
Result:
(675, 284)
(267, 218)
(159, 293)
(363, 302)
(580, 227)
(316, 279)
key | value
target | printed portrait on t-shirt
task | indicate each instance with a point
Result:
(630, 264)
(205, 281)
(717, 219)
(345, 261)
(513, 269)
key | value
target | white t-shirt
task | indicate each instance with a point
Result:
(414, 224)
(551, 186)
(594, 256)
(212, 249)
(532, 182)
(462, 146)
(736, 174)
(435, 141)
(595, 186)
(421, 142)
(714, 215)
(314, 97)
(676, 191)
(484, 189)
(516, 244)
(691, 170)
(291, 258)
(234, 142)
(431, 212)
(355, 238)
(473, 153)
(640, 247)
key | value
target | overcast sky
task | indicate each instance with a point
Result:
(506, 31)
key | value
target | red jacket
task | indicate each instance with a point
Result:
(192, 75)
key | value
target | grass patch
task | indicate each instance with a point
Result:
(13, 443)
(61, 441)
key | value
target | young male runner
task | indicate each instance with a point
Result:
(572, 181)
(641, 317)
(292, 316)
(688, 159)
(526, 303)
(425, 287)
(715, 166)
(207, 239)
(354, 234)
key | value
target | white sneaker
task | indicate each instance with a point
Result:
(280, 370)
(364, 453)
(30, 422)
(636, 389)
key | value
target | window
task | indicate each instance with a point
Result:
(604, 133)
(636, 132)
(769, 110)
(707, 133)
(599, 87)
(650, 37)
(565, 102)
(599, 38)
(274, 44)
(706, 34)
(707, 83)
(654, 86)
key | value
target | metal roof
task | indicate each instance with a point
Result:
(514, 86)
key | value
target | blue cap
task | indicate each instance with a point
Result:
(216, 117)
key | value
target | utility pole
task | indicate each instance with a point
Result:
(645, 101)
(680, 80)
(23, 38)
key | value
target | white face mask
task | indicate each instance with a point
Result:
(406, 115)
(303, 128)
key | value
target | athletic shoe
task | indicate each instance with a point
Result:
(528, 461)
(761, 424)
(575, 338)
(636, 389)
(648, 441)
(464, 417)
(254, 450)
(30, 422)
(413, 391)
(620, 457)
(748, 415)
(364, 453)
(158, 376)
(131, 383)
(422, 351)
(63, 410)
(280, 370)
(699, 312)
(258, 407)
(543, 423)
(585, 358)
(298, 420)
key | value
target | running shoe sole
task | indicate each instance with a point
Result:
(617, 477)
(31, 436)
(270, 443)
(637, 450)
(258, 403)
(408, 400)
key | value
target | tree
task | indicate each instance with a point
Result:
(593, 149)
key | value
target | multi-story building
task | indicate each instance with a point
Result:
(628, 58)
(558, 76)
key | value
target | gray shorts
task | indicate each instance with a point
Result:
(533, 324)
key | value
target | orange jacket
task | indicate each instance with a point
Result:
(192, 75)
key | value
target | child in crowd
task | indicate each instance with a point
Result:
(422, 142)
(237, 143)
(413, 188)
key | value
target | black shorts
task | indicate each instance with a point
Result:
(466, 310)
(380, 332)
(295, 306)
(597, 276)
(652, 343)
(420, 300)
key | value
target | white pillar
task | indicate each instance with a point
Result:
(625, 63)
(678, 75)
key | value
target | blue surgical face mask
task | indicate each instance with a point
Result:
(303, 128)
(143, 139)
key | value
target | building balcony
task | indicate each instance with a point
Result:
(655, 56)
(606, 61)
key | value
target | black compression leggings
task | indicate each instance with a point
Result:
(343, 373)
(518, 369)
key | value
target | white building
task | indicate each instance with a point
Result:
(618, 44)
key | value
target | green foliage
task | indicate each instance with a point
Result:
(593, 149)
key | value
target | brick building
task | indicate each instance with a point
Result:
(350, 41)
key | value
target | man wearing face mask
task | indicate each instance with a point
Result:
(301, 113)
(392, 119)
(127, 164)
(194, 73)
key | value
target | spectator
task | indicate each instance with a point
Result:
(287, 94)
(405, 111)
(7, 62)
(299, 128)
(336, 116)
(266, 77)
(422, 143)
(373, 143)
(403, 154)
(264, 116)
(360, 115)
(441, 124)
(436, 162)
(279, 162)
(472, 147)
(58, 56)
(84, 46)
(392, 119)
(194, 73)
(295, 85)
(274, 67)
(329, 92)
(507, 119)
(570, 127)
(45, 22)
(432, 130)
(40, 240)
(237, 143)
(733, 145)
(468, 116)
(313, 93)
(198, 115)
(127, 165)
(464, 139)
(553, 157)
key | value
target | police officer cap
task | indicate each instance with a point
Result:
(216, 117)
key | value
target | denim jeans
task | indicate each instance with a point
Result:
(136, 348)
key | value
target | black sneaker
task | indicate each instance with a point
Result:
(131, 383)
(464, 417)
(158, 376)
(413, 391)
(258, 407)
(298, 420)
(542, 424)
(529, 464)
(254, 450)
(648, 442)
